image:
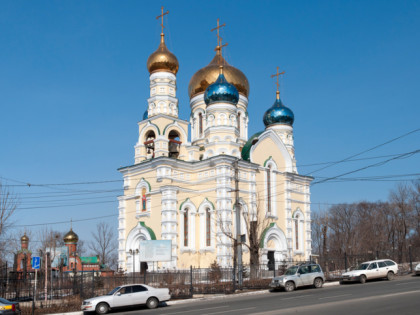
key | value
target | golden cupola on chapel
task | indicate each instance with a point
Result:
(209, 74)
(162, 59)
(71, 237)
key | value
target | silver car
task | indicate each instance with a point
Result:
(126, 295)
(298, 276)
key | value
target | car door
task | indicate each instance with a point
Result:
(372, 272)
(383, 269)
(140, 294)
(124, 297)
(305, 276)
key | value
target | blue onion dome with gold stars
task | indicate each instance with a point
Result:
(221, 91)
(278, 114)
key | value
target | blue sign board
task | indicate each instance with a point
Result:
(36, 262)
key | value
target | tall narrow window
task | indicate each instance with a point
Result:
(239, 123)
(143, 199)
(269, 189)
(208, 227)
(186, 228)
(297, 232)
(200, 125)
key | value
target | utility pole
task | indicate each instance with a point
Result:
(46, 277)
(238, 225)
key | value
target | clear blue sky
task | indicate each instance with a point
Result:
(74, 84)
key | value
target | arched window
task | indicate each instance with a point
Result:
(150, 143)
(186, 227)
(143, 199)
(174, 144)
(298, 227)
(208, 227)
(200, 125)
(297, 232)
(269, 189)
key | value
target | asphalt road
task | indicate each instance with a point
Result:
(400, 296)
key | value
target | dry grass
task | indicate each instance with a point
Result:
(71, 304)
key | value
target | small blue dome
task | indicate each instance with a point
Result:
(146, 115)
(221, 91)
(278, 114)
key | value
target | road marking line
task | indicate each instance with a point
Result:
(331, 297)
(235, 310)
(406, 283)
(297, 297)
(201, 309)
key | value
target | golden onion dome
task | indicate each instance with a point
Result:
(24, 238)
(162, 59)
(209, 74)
(71, 237)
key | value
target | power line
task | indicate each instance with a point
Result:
(404, 155)
(365, 151)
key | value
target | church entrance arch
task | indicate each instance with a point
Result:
(139, 233)
(274, 250)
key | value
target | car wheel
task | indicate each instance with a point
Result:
(362, 279)
(318, 283)
(102, 308)
(152, 302)
(289, 286)
(390, 275)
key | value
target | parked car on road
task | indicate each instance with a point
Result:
(381, 268)
(126, 295)
(417, 270)
(9, 308)
(298, 276)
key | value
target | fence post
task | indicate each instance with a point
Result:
(145, 271)
(234, 275)
(191, 282)
(93, 283)
(274, 269)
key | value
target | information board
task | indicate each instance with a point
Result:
(151, 251)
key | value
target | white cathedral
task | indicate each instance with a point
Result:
(181, 186)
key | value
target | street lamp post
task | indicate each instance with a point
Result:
(134, 252)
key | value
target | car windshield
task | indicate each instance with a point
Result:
(291, 271)
(4, 301)
(362, 266)
(113, 291)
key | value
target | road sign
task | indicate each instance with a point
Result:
(36, 262)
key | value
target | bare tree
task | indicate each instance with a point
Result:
(104, 244)
(256, 222)
(8, 205)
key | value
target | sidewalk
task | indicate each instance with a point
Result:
(206, 297)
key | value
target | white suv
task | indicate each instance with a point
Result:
(382, 268)
(299, 275)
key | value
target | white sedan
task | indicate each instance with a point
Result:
(417, 270)
(126, 295)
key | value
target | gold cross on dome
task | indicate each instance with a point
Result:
(161, 16)
(277, 75)
(219, 39)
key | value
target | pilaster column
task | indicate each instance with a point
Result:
(169, 222)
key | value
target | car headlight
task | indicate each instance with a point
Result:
(87, 302)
